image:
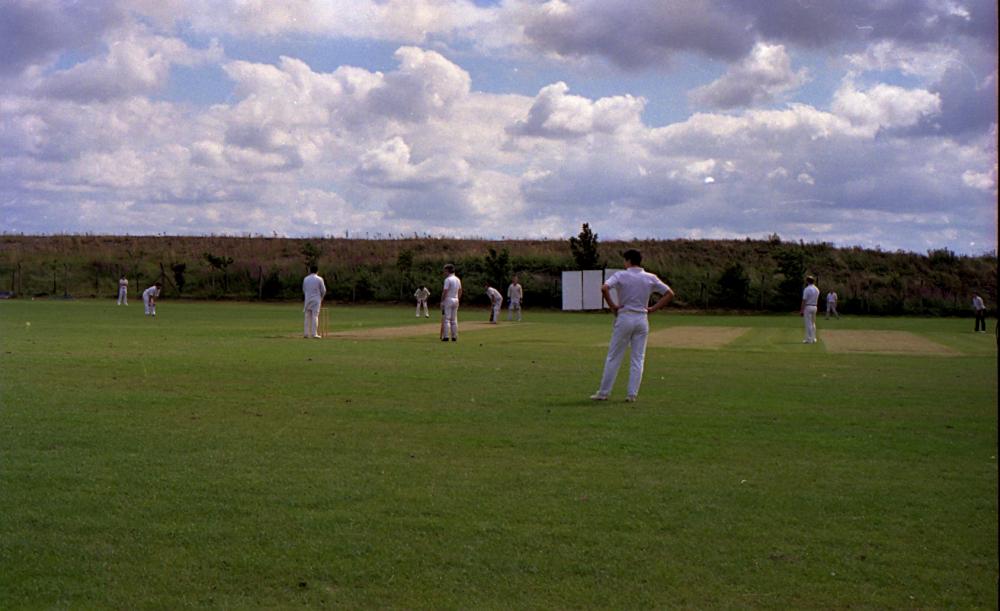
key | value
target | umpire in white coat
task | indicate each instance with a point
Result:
(634, 285)
(314, 289)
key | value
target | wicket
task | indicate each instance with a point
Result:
(324, 321)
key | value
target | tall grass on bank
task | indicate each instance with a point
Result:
(764, 275)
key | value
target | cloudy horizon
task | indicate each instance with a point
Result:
(848, 122)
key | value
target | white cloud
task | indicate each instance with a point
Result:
(555, 114)
(134, 64)
(759, 78)
(929, 61)
(395, 20)
(425, 84)
(389, 166)
(983, 181)
(885, 106)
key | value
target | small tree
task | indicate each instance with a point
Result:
(791, 265)
(498, 267)
(584, 249)
(311, 253)
(734, 285)
(404, 263)
(220, 264)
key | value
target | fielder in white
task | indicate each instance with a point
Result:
(496, 301)
(422, 294)
(314, 290)
(149, 298)
(831, 304)
(123, 290)
(451, 294)
(810, 301)
(514, 294)
(634, 285)
(980, 307)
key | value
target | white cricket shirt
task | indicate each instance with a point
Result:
(634, 286)
(810, 295)
(494, 295)
(451, 287)
(514, 292)
(314, 289)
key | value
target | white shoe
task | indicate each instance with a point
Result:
(317, 337)
(631, 399)
(598, 397)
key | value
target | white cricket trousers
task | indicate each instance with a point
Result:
(422, 302)
(809, 318)
(311, 324)
(631, 330)
(123, 295)
(513, 305)
(150, 307)
(495, 312)
(449, 320)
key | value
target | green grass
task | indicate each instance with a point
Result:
(213, 458)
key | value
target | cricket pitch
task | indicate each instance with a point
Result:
(695, 337)
(421, 330)
(882, 342)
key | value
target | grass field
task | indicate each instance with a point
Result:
(214, 458)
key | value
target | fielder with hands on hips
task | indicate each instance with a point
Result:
(634, 286)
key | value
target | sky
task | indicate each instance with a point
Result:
(854, 122)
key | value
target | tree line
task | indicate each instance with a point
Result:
(750, 275)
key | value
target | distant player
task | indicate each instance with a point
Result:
(496, 301)
(422, 294)
(831, 305)
(810, 299)
(980, 308)
(633, 285)
(451, 294)
(123, 290)
(514, 295)
(314, 290)
(149, 297)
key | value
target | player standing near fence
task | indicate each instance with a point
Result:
(831, 305)
(980, 307)
(123, 290)
(514, 295)
(422, 294)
